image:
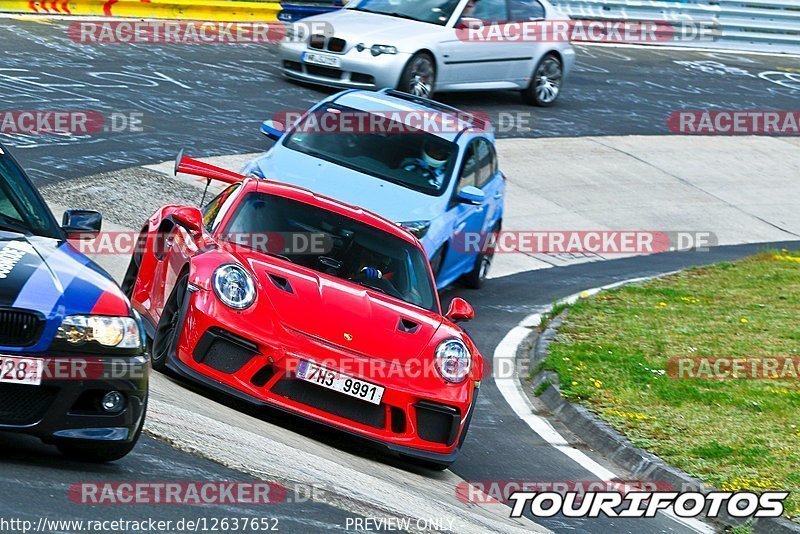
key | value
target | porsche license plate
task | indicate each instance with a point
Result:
(353, 387)
(322, 59)
(14, 370)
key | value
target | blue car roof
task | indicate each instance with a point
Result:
(389, 101)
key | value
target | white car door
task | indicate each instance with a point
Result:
(466, 59)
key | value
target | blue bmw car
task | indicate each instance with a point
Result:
(429, 167)
(73, 367)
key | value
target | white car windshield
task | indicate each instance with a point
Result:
(432, 11)
(391, 151)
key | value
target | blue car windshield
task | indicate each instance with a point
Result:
(21, 208)
(377, 145)
(432, 11)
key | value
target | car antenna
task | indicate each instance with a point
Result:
(202, 200)
(178, 159)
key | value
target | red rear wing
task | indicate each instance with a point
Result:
(194, 167)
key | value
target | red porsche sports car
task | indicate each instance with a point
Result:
(282, 297)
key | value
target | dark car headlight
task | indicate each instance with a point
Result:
(108, 331)
(234, 286)
(453, 360)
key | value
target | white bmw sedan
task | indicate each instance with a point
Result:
(427, 46)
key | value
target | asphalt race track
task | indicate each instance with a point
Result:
(210, 100)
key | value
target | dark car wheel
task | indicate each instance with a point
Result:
(545, 86)
(436, 261)
(419, 76)
(483, 264)
(168, 328)
(99, 452)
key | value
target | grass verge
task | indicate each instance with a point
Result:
(612, 353)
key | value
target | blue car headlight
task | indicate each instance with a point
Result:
(418, 228)
(251, 168)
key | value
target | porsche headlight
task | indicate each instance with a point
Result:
(234, 286)
(109, 331)
(453, 360)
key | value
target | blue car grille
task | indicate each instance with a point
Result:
(19, 328)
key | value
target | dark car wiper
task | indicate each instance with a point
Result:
(9, 224)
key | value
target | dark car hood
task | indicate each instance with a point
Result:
(51, 277)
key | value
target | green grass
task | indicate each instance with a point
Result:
(611, 355)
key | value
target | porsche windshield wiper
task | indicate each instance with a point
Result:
(368, 286)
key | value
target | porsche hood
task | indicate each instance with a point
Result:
(331, 312)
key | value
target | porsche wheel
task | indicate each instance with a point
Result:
(168, 328)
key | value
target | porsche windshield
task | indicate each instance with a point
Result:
(21, 209)
(433, 11)
(333, 244)
(376, 145)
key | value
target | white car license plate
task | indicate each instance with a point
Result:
(322, 59)
(14, 370)
(311, 372)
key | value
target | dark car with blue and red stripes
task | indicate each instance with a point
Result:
(73, 366)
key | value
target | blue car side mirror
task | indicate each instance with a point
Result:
(272, 129)
(471, 195)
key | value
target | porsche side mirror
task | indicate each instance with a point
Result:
(460, 310)
(272, 129)
(190, 218)
(82, 224)
(471, 195)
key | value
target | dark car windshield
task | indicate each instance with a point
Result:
(433, 11)
(377, 145)
(333, 244)
(21, 208)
